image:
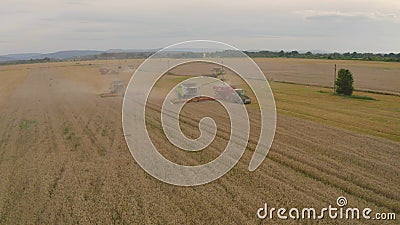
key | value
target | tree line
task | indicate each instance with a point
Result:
(388, 57)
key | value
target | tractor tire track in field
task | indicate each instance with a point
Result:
(72, 165)
(322, 173)
(331, 177)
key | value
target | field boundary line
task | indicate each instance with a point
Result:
(323, 86)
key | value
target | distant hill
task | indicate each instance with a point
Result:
(5, 59)
(130, 50)
(70, 54)
(62, 55)
(24, 56)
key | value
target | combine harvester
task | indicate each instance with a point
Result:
(228, 94)
(106, 71)
(190, 90)
(117, 88)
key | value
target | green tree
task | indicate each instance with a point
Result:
(344, 82)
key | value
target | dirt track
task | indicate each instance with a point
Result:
(63, 159)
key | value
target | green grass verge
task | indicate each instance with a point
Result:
(368, 113)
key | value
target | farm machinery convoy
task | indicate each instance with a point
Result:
(188, 92)
(231, 94)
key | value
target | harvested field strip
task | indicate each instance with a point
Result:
(332, 177)
(341, 124)
(368, 111)
(358, 167)
(347, 155)
(373, 76)
(45, 180)
(353, 181)
(379, 118)
(348, 184)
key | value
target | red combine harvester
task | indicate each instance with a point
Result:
(228, 94)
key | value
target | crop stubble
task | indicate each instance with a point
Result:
(63, 158)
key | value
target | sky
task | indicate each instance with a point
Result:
(45, 26)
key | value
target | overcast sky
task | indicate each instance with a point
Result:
(333, 25)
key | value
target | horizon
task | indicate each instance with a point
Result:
(128, 50)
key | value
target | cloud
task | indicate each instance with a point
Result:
(52, 25)
(339, 16)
